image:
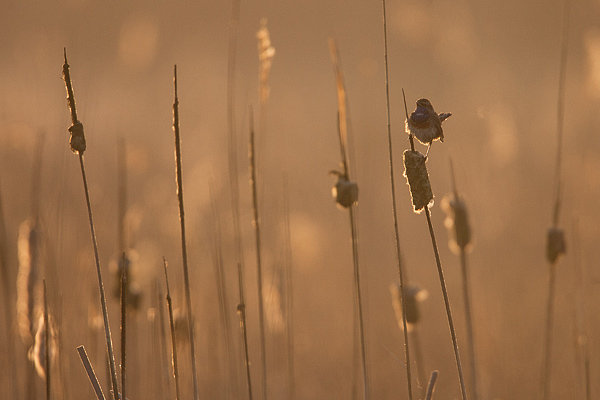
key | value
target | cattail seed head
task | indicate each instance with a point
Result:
(417, 178)
(37, 352)
(134, 293)
(457, 222)
(77, 140)
(29, 295)
(414, 295)
(556, 244)
(344, 191)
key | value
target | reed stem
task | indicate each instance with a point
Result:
(241, 308)
(186, 276)
(469, 321)
(123, 326)
(256, 223)
(394, 212)
(173, 337)
(90, 373)
(431, 386)
(447, 304)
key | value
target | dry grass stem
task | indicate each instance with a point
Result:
(241, 309)
(186, 276)
(173, 336)
(124, 291)
(78, 146)
(431, 385)
(256, 224)
(90, 373)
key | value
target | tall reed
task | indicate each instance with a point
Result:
(289, 294)
(186, 276)
(87, 365)
(346, 194)
(78, 145)
(394, 212)
(173, 336)
(556, 244)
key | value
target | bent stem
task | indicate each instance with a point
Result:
(447, 304)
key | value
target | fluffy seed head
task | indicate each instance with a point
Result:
(417, 178)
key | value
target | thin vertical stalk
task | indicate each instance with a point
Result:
(394, 212)
(123, 326)
(447, 304)
(186, 276)
(469, 321)
(163, 341)
(547, 356)
(256, 223)
(361, 328)
(109, 346)
(173, 338)
(122, 195)
(241, 308)
(289, 294)
(47, 346)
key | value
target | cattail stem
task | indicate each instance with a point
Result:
(90, 373)
(186, 276)
(447, 304)
(164, 370)
(111, 355)
(361, 328)
(416, 338)
(241, 308)
(394, 212)
(173, 338)
(256, 223)
(547, 356)
(431, 386)
(80, 147)
(123, 326)
(469, 322)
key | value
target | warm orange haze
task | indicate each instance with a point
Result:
(495, 66)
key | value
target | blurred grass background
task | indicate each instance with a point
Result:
(494, 65)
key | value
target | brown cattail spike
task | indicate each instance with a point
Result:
(556, 245)
(457, 222)
(417, 177)
(344, 191)
(77, 140)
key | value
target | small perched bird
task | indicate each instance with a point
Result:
(425, 123)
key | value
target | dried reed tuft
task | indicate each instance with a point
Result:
(29, 293)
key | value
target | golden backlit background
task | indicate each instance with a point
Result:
(494, 65)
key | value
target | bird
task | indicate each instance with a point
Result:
(425, 124)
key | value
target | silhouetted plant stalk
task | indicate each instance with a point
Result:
(457, 223)
(123, 326)
(164, 368)
(394, 213)
(345, 193)
(415, 171)
(241, 309)
(78, 145)
(431, 385)
(256, 224)
(87, 365)
(186, 276)
(175, 364)
(556, 244)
